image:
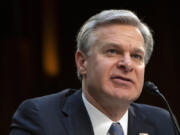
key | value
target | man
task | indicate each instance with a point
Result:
(113, 48)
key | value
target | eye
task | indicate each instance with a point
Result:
(137, 56)
(112, 51)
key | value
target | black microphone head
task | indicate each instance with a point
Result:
(151, 87)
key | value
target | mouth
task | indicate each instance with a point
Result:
(121, 79)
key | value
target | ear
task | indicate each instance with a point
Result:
(81, 62)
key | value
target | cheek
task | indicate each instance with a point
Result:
(100, 71)
(100, 68)
(105, 68)
(140, 77)
(101, 65)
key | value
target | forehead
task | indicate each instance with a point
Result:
(119, 34)
(120, 30)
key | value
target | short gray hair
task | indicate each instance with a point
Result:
(112, 16)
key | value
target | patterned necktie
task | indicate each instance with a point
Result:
(116, 129)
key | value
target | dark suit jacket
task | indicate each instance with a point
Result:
(64, 113)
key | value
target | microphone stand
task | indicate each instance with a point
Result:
(152, 88)
(171, 113)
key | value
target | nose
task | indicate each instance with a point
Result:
(125, 63)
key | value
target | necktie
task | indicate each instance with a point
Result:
(116, 129)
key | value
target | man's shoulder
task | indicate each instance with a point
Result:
(55, 96)
(43, 112)
(150, 112)
(153, 117)
(149, 109)
(48, 101)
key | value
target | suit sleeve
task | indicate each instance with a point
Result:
(26, 120)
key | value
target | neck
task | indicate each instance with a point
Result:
(110, 108)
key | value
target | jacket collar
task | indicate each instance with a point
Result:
(77, 121)
(137, 122)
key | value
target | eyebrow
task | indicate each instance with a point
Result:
(112, 45)
(137, 50)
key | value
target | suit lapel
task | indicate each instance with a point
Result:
(137, 124)
(77, 121)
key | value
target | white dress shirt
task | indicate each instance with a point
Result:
(100, 122)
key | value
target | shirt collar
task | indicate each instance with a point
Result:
(100, 122)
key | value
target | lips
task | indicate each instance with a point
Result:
(121, 78)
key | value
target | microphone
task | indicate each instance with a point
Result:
(153, 89)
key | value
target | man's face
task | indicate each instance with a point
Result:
(115, 66)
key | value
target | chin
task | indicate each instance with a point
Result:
(129, 97)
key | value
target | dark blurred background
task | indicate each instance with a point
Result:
(37, 43)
